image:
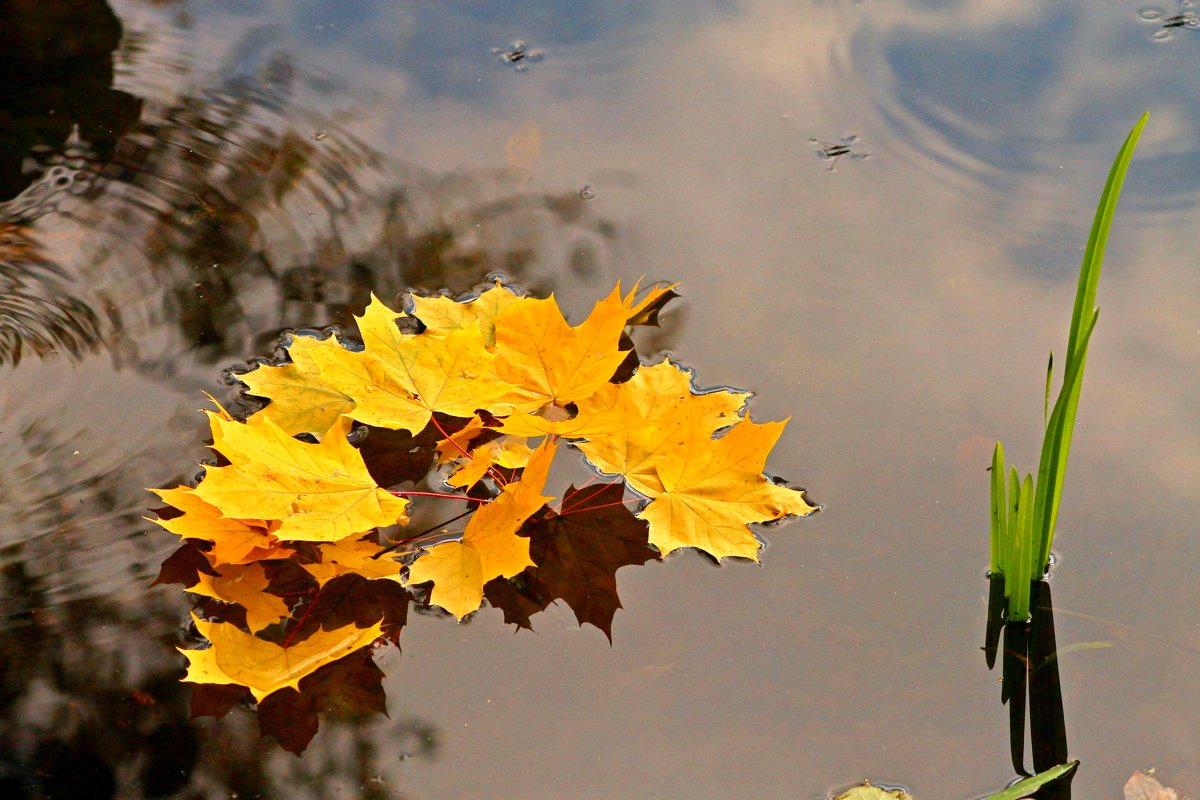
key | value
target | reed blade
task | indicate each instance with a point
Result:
(1046, 396)
(1056, 447)
(1022, 563)
(1007, 545)
(1028, 786)
(999, 510)
(1056, 444)
(1093, 256)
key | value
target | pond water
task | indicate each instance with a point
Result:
(180, 181)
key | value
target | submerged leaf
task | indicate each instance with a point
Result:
(579, 550)
(350, 687)
(869, 792)
(1141, 786)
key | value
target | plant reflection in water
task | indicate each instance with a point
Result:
(1030, 685)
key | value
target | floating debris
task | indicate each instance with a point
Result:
(587, 193)
(832, 151)
(518, 55)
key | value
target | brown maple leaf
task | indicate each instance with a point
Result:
(579, 550)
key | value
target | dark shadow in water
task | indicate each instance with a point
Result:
(1031, 686)
(56, 74)
(90, 708)
(57, 107)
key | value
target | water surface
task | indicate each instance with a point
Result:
(242, 168)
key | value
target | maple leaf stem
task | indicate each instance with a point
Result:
(562, 513)
(491, 470)
(443, 496)
(401, 542)
(287, 641)
(577, 501)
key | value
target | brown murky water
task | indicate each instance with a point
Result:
(226, 170)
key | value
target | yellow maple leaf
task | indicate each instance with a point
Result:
(507, 453)
(455, 445)
(401, 379)
(242, 659)
(234, 540)
(537, 350)
(490, 546)
(492, 529)
(301, 401)
(356, 556)
(655, 393)
(377, 326)
(319, 492)
(245, 585)
(457, 574)
(442, 315)
(644, 312)
(712, 488)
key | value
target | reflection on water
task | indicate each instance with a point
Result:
(145, 243)
(56, 71)
(1029, 659)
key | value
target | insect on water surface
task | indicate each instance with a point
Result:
(832, 151)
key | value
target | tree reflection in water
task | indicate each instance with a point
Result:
(145, 243)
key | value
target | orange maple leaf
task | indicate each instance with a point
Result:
(538, 351)
(234, 540)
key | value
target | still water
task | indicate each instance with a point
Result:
(180, 181)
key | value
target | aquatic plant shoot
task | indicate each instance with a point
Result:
(1025, 511)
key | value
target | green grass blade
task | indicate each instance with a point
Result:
(1046, 397)
(1056, 447)
(1093, 256)
(1011, 531)
(1056, 444)
(999, 509)
(1030, 785)
(1022, 562)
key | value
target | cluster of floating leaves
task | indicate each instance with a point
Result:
(295, 540)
